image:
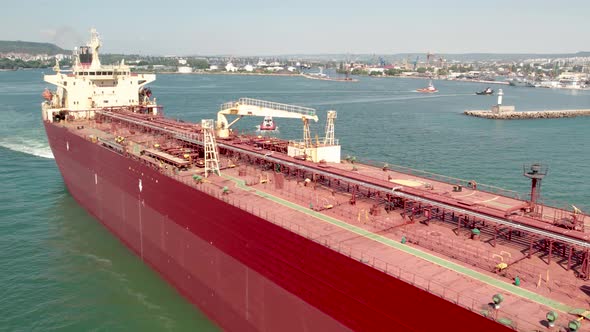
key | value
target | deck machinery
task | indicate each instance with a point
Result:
(540, 227)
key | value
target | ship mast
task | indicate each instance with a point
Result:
(95, 44)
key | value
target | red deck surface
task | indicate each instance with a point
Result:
(253, 264)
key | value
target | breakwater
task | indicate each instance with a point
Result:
(313, 77)
(551, 114)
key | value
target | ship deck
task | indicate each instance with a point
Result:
(439, 255)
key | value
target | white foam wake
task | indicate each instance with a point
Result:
(31, 147)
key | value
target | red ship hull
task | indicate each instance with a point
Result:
(245, 273)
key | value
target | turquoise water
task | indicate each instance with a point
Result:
(60, 270)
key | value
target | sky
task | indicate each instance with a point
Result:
(261, 27)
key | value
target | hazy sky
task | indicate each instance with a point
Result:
(263, 27)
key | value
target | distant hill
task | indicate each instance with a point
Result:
(34, 48)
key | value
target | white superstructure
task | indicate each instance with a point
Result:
(90, 86)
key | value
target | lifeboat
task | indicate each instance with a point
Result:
(267, 124)
(47, 95)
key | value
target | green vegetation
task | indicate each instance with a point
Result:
(357, 71)
(134, 59)
(33, 48)
(460, 68)
(18, 63)
(198, 63)
(393, 72)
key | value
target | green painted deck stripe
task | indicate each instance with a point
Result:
(413, 251)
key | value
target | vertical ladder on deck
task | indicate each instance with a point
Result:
(211, 160)
(329, 139)
(306, 134)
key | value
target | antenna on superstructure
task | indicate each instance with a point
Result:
(56, 68)
(95, 44)
(75, 58)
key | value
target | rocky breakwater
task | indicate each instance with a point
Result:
(528, 114)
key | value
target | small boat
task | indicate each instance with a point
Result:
(267, 124)
(487, 91)
(429, 89)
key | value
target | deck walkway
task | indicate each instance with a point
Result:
(501, 285)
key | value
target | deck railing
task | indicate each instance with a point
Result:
(269, 104)
(478, 305)
(444, 178)
(315, 142)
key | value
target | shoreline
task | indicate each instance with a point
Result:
(446, 79)
(311, 77)
(229, 73)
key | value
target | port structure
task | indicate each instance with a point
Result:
(555, 232)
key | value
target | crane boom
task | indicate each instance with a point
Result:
(256, 107)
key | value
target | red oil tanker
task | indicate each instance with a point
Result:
(265, 234)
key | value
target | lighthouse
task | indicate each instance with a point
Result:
(499, 108)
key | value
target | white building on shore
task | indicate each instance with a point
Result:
(230, 67)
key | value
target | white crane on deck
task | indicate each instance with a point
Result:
(254, 107)
(327, 151)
